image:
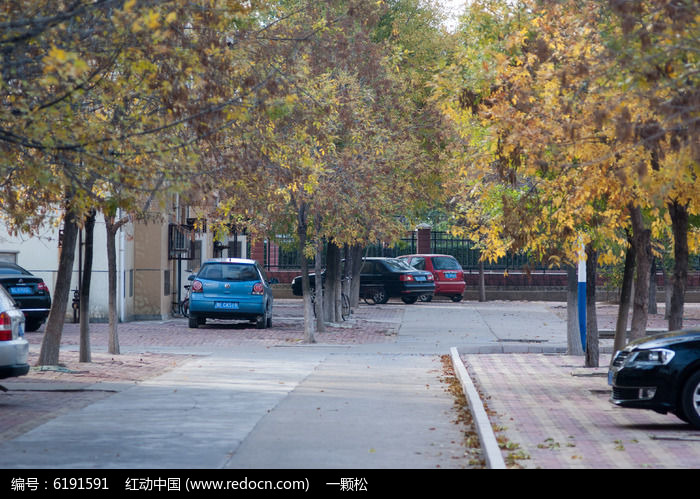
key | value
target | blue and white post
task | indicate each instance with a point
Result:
(582, 295)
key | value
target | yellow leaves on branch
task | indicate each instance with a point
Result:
(63, 64)
(152, 21)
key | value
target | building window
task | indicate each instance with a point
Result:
(8, 256)
(166, 282)
(196, 261)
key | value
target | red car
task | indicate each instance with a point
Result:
(446, 270)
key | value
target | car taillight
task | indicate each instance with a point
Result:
(258, 288)
(406, 277)
(5, 327)
(42, 287)
(196, 287)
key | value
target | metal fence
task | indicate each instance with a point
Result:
(283, 255)
(462, 249)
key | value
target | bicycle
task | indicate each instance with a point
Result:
(345, 310)
(344, 306)
(183, 307)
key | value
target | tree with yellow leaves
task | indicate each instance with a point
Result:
(334, 139)
(564, 133)
(103, 105)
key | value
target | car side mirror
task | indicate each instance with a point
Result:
(191, 277)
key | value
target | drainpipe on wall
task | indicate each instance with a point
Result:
(121, 271)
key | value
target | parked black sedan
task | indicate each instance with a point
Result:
(385, 278)
(661, 373)
(29, 292)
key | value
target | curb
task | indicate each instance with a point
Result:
(489, 445)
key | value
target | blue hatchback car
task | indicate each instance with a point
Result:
(233, 289)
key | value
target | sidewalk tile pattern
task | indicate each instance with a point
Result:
(557, 415)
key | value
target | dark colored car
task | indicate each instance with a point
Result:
(385, 278)
(661, 373)
(232, 289)
(14, 349)
(29, 292)
(446, 270)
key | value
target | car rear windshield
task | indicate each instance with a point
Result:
(445, 263)
(11, 270)
(229, 272)
(397, 265)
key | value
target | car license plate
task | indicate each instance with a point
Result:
(226, 305)
(610, 378)
(21, 290)
(420, 278)
(450, 275)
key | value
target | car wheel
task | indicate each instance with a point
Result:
(456, 298)
(426, 298)
(380, 296)
(408, 300)
(690, 399)
(193, 321)
(261, 320)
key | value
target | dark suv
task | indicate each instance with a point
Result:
(385, 278)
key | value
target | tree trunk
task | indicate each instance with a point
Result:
(623, 310)
(482, 283)
(592, 347)
(346, 286)
(642, 244)
(338, 286)
(51, 343)
(302, 226)
(679, 224)
(353, 270)
(85, 354)
(318, 287)
(573, 335)
(112, 229)
(332, 282)
(652, 287)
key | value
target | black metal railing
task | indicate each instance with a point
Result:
(282, 254)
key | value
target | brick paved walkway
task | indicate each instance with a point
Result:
(550, 413)
(369, 324)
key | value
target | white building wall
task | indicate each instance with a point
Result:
(39, 255)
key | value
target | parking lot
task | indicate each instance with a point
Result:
(150, 348)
